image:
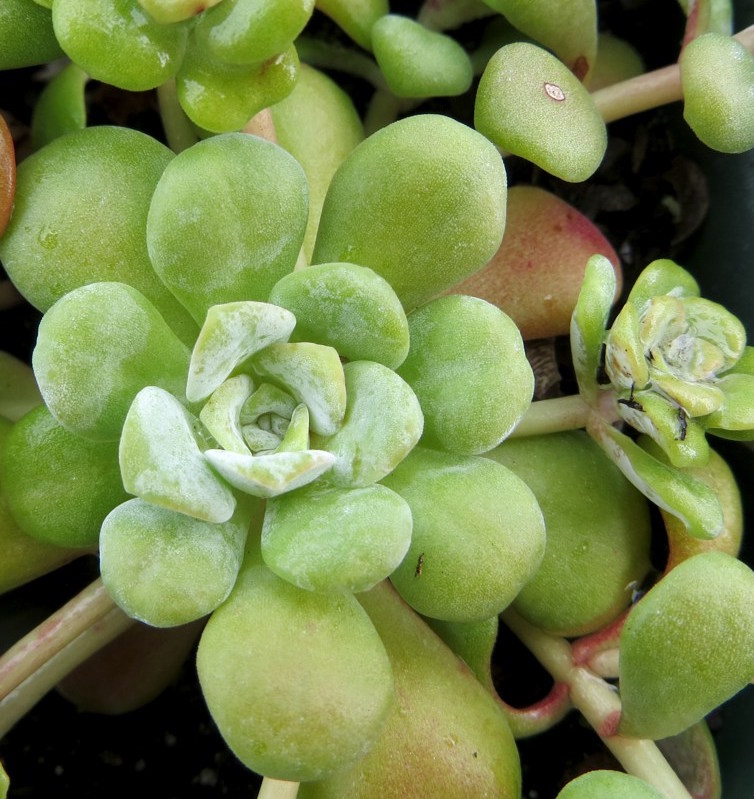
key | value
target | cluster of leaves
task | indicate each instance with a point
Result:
(266, 402)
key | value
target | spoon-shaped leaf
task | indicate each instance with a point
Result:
(598, 532)
(383, 422)
(430, 206)
(445, 736)
(418, 62)
(313, 374)
(96, 348)
(469, 371)
(530, 104)
(234, 207)
(298, 682)
(348, 307)
(687, 645)
(162, 462)
(248, 32)
(221, 415)
(717, 76)
(478, 537)
(335, 539)
(116, 42)
(167, 11)
(165, 568)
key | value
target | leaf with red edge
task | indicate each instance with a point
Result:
(7, 174)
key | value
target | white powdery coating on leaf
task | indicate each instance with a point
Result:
(272, 474)
(232, 333)
(161, 462)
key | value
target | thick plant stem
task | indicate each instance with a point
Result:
(600, 705)
(553, 416)
(325, 55)
(81, 627)
(21, 699)
(178, 129)
(651, 90)
(277, 789)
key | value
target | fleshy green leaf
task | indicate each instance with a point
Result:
(530, 104)
(383, 422)
(165, 568)
(116, 42)
(243, 32)
(348, 307)
(469, 371)
(418, 62)
(717, 77)
(673, 490)
(234, 208)
(221, 97)
(161, 460)
(588, 323)
(231, 333)
(687, 646)
(431, 206)
(270, 474)
(333, 539)
(96, 348)
(471, 551)
(313, 374)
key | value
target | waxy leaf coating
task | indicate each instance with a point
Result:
(298, 682)
(348, 307)
(383, 422)
(478, 537)
(162, 460)
(226, 221)
(422, 202)
(97, 347)
(687, 646)
(469, 371)
(231, 333)
(165, 568)
(335, 539)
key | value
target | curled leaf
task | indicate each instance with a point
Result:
(231, 333)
